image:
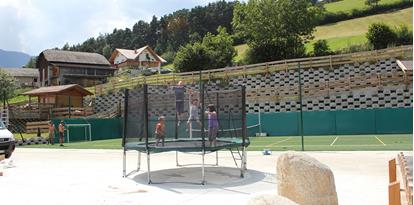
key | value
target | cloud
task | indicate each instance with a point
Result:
(34, 25)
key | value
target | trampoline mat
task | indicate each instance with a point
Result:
(186, 145)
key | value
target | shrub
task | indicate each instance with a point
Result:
(380, 35)
(321, 48)
(404, 36)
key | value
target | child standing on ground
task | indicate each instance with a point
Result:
(51, 128)
(213, 124)
(160, 131)
(61, 129)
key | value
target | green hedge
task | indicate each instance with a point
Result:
(330, 17)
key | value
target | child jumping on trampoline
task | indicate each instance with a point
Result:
(160, 131)
(213, 125)
(193, 110)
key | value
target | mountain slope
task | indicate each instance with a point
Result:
(13, 58)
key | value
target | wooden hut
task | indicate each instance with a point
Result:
(60, 101)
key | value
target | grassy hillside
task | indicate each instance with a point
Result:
(348, 5)
(351, 32)
(358, 26)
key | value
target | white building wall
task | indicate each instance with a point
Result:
(119, 59)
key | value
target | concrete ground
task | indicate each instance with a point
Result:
(50, 176)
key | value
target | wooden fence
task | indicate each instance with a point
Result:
(407, 178)
(329, 62)
(72, 112)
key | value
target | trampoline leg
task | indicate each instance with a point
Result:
(124, 164)
(139, 161)
(243, 163)
(216, 158)
(176, 159)
(202, 170)
(149, 170)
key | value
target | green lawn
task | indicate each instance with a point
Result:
(351, 32)
(312, 143)
(21, 98)
(359, 26)
(348, 5)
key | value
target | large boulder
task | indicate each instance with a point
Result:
(271, 200)
(305, 180)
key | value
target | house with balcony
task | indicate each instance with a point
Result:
(58, 67)
(142, 58)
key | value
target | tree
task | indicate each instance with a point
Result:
(221, 47)
(282, 26)
(7, 86)
(106, 51)
(321, 48)
(404, 36)
(371, 3)
(380, 35)
(213, 52)
(31, 63)
(192, 58)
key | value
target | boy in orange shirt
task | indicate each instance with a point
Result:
(160, 130)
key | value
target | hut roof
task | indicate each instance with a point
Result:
(22, 72)
(54, 90)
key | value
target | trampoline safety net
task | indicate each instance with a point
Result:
(178, 114)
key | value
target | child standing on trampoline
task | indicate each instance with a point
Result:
(160, 131)
(213, 124)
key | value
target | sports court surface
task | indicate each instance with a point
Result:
(311, 143)
(334, 143)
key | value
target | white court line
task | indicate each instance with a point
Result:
(278, 142)
(380, 141)
(334, 141)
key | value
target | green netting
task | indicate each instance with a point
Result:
(339, 122)
(100, 129)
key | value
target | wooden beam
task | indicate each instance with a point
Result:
(392, 171)
(394, 197)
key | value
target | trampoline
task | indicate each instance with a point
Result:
(193, 118)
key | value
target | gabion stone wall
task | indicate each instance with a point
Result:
(278, 91)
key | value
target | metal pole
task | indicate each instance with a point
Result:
(124, 164)
(203, 143)
(216, 158)
(244, 132)
(139, 161)
(203, 182)
(176, 159)
(301, 108)
(145, 106)
(149, 169)
(124, 133)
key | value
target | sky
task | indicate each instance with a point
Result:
(32, 26)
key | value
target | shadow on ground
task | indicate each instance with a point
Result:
(190, 178)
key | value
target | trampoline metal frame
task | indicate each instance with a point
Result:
(243, 166)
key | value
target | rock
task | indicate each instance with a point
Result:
(271, 200)
(305, 180)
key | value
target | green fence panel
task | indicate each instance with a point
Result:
(100, 129)
(394, 120)
(339, 122)
(319, 123)
(354, 122)
(280, 124)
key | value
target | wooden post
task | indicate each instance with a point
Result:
(394, 197)
(2, 157)
(330, 61)
(392, 171)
